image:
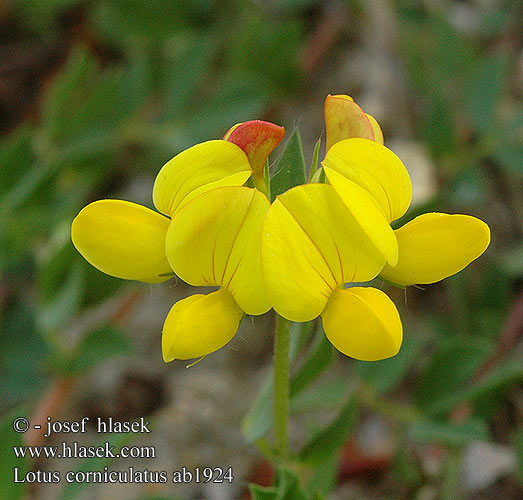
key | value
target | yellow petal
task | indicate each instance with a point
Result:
(214, 239)
(231, 180)
(311, 244)
(367, 212)
(375, 168)
(123, 239)
(378, 134)
(199, 168)
(434, 246)
(345, 119)
(363, 323)
(199, 325)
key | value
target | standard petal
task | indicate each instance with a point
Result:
(237, 179)
(375, 168)
(345, 119)
(363, 323)
(199, 325)
(367, 212)
(123, 239)
(434, 246)
(214, 239)
(199, 168)
(311, 244)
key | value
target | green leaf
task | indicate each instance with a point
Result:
(79, 67)
(511, 260)
(450, 368)
(330, 440)
(16, 155)
(98, 109)
(258, 421)
(84, 108)
(453, 434)
(290, 170)
(138, 25)
(43, 16)
(485, 88)
(499, 379)
(25, 187)
(436, 55)
(23, 354)
(319, 358)
(98, 286)
(285, 488)
(509, 147)
(439, 127)
(266, 46)
(287, 485)
(315, 158)
(320, 396)
(55, 313)
(187, 71)
(237, 99)
(493, 385)
(56, 258)
(406, 468)
(8, 461)
(262, 493)
(324, 476)
(385, 375)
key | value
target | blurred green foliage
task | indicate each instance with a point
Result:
(286, 487)
(136, 82)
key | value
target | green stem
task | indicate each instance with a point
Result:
(262, 185)
(281, 387)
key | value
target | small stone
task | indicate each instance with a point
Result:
(484, 463)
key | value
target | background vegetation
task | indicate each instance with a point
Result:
(95, 95)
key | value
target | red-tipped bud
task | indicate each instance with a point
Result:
(258, 139)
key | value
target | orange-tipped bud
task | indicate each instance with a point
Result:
(344, 119)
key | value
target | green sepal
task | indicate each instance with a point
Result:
(290, 171)
(314, 163)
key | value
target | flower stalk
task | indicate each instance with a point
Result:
(281, 388)
(261, 184)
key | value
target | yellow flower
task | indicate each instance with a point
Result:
(215, 240)
(319, 237)
(431, 247)
(312, 244)
(127, 240)
(209, 235)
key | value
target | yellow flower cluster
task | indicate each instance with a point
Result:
(296, 255)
